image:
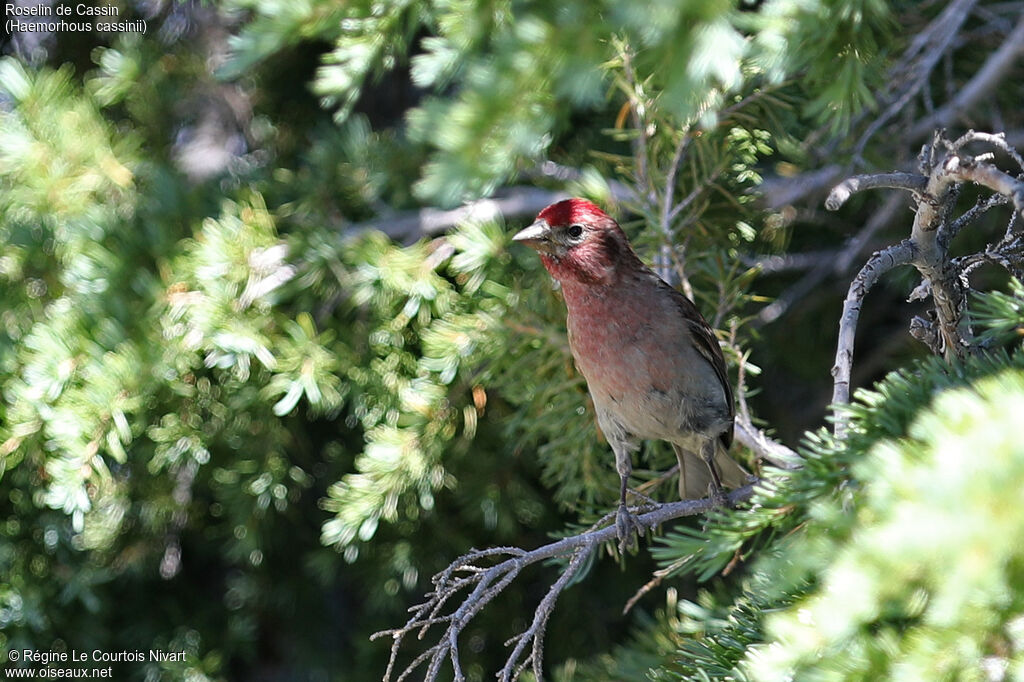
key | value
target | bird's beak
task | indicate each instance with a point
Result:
(536, 236)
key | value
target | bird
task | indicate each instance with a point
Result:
(652, 363)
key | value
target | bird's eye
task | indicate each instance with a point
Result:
(575, 231)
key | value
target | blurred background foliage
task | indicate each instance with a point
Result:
(249, 406)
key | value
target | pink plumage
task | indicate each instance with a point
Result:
(652, 364)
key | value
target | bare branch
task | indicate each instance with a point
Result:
(944, 280)
(667, 215)
(919, 60)
(484, 582)
(771, 451)
(950, 231)
(964, 168)
(932, 259)
(748, 435)
(998, 140)
(535, 633)
(879, 264)
(412, 225)
(858, 183)
(991, 73)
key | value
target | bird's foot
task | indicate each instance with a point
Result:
(627, 528)
(716, 491)
(718, 496)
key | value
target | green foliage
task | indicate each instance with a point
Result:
(237, 422)
(795, 36)
(427, 328)
(1000, 313)
(857, 567)
(930, 560)
(518, 72)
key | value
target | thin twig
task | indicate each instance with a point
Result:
(408, 226)
(535, 633)
(991, 73)
(667, 218)
(489, 581)
(938, 39)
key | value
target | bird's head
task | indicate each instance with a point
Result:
(578, 241)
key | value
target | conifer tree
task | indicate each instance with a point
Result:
(269, 361)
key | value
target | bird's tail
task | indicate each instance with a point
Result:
(695, 477)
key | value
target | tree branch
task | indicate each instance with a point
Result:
(469, 572)
(945, 331)
(409, 226)
(879, 264)
(964, 168)
(667, 214)
(858, 183)
(771, 451)
(995, 68)
(918, 62)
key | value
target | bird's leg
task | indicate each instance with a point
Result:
(625, 523)
(708, 455)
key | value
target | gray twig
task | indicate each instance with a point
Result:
(409, 226)
(858, 183)
(919, 60)
(945, 330)
(991, 73)
(768, 449)
(879, 264)
(469, 572)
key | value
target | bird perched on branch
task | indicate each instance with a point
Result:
(652, 363)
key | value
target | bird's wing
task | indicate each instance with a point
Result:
(707, 345)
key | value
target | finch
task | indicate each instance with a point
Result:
(652, 364)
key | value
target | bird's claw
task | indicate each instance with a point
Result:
(627, 528)
(719, 497)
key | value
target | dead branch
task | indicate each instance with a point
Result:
(910, 76)
(768, 449)
(748, 435)
(911, 73)
(944, 169)
(858, 183)
(839, 264)
(409, 226)
(991, 73)
(879, 264)
(470, 573)
(965, 169)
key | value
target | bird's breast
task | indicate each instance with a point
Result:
(639, 361)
